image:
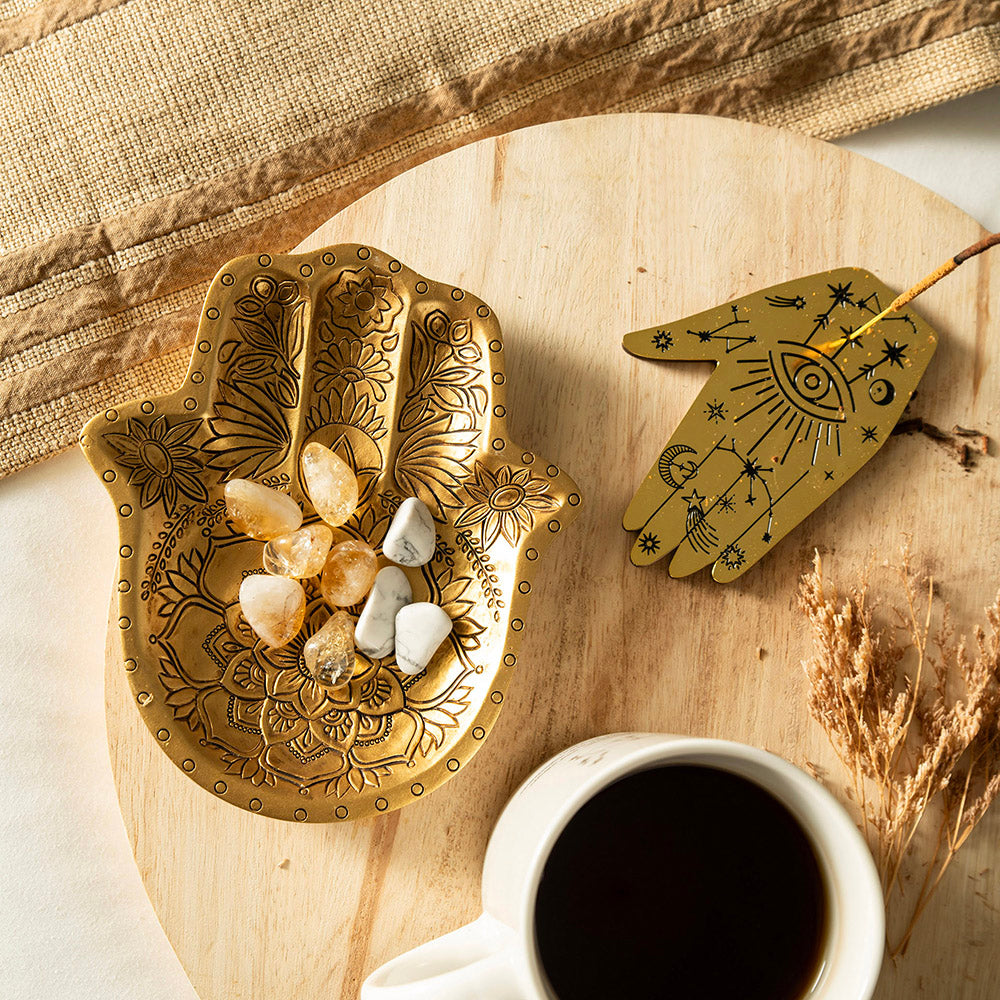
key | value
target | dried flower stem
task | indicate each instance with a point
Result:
(911, 747)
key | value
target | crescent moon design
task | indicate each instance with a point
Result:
(673, 471)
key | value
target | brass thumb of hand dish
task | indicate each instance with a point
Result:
(403, 378)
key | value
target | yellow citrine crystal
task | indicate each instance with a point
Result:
(274, 607)
(300, 553)
(328, 655)
(259, 511)
(330, 483)
(349, 573)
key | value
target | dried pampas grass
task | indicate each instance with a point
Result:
(915, 720)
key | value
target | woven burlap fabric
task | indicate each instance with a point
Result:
(145, 143)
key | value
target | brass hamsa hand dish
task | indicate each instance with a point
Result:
(794, 408)
(403, 379)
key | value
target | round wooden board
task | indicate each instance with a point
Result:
(576, 233)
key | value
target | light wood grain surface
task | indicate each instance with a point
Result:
(575, 233)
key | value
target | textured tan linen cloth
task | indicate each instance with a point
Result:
(144, 143)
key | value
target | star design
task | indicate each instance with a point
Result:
(841, 294)
(704, 336)
(766, 537)
(852, 341)
(662, 340)
(726, 503)
(732, 556)
(694, 499)
(894, 354)
(799, 302)
(649, 543)
(869, 434)
(716, 411)
(751, 499)
(828, 474)
(752, 469)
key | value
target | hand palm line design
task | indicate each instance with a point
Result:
(788, 390)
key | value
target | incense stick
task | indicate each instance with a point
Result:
(921, 286)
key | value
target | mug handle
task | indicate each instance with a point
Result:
(476, 962)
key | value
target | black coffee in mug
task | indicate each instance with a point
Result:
(682, 882)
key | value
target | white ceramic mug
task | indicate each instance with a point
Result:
(495, 958)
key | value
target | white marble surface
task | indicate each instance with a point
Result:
(75, 922)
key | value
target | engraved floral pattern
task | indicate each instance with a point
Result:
(354, 363)
(363, 301)
(269, 719)
(504, 503)
(400, 377)
(160, 460)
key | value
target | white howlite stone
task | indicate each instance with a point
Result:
(420, 629)
(410, 538)
(375, 633)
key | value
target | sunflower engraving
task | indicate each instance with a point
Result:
(504, 503)
(353, 362)
(363, 302)
(160, 460)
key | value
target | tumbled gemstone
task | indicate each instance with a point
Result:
(376, 631)
(349, 573)
(328, 655)
(259, 511)
(330, 483)
(420, 629)
(300, 553)
(410, 538)
(273, 606)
